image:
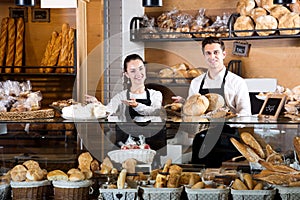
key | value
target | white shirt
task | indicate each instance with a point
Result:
(116, 102)
(235, 91)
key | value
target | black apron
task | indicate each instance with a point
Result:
(223, 149)
(156, 141)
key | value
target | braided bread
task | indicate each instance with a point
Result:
(48, 52)
(19, 45)
(3, 39)
(11, 44)
(63, 57)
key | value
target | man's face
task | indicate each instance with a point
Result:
(214, 55)
(136, 71)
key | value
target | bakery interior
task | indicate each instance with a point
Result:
(104, 32)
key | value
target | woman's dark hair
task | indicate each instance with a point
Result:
(212, 40)
(130, 58)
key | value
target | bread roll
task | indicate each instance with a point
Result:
(73, 171)
(248, 181)
(199, 185)
(192, 73)
(121, 179)
(88, 174)
(244, 23)
(244, 7)
(19, 45)
(249, 140)
(173, 181)
(10, 44)
(3, 40)
(31, 164)
(295, 7)
(84, 161)
(258, 186)
(278, 11)
(239, 185)
(160, 181)
(267, 4)
(76, 176)
(35, 174)
(57, 175)
(216, 101)
(257, 12)
(18, 173)
(180, 76)
(289, 20)
(195, 105)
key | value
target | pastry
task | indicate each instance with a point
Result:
(243, 23)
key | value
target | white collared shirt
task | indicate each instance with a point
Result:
(235, 91)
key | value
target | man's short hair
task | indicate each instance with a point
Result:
(212, 40)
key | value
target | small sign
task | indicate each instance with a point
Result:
(272, 106)
(40, 15)
(241, 48)
(19, 13)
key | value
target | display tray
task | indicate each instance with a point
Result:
(37, 114)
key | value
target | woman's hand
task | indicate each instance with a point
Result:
(178, 99)
(130, 102)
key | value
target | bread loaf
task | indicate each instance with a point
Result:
(121, 179)
(266, 22)
(244, 7)
(173, 181)
(166, 75)
(31, 164)
(48, 53)
(19, 45)
(244, 150)
(257, 12)
(3, 40)
(278, 11)
(10, 44)
(267, 4)
(55, 51)
(64, 53)
(216, 101)
(35, 174)
(249, 140)
(295, 7)
(244, 23)
(239, 185)
(71, 49)
(195, 105)
(18, 173)
(84, 161)
(248, 181)
(57, 175)
(289, 20)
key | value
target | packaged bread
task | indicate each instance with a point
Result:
(3, 40)
(249, 140)
(295, 7)
(257, 12)
(216, 101)
(244, 7)
(278, 11)
(243, 23)
(289, 20)
(195, 105)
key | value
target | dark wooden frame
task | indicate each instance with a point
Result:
(19, 12)
(240, 49)
(281, 97)
(40, 14)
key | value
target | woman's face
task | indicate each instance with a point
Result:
(214, 56)
(136, 72)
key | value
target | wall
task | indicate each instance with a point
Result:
(267, 58)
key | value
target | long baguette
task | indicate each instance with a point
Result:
(249, 140)
(55, 51)
(48, 52)
(64, 53)
(19, 45)
(11, 44)
(3, 40)
(246, 151)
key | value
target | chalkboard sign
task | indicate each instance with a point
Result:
(240, 49)
(272, 106)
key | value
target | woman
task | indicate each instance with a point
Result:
(136, 100)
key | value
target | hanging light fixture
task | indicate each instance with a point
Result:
(284, 1)
(152, 3)
(25, 2)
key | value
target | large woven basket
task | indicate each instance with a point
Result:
(67, 190)
(141, 155)
(213, 194)
(37, 114)
(33, 190)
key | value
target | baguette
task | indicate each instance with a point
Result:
(3, 40)
(48, 52)
(63, 56)
(248, 181)
(278, 168)
(121, 179)
(19, 45)
(55, 51)
(239, 185)
(296, 143)
(249, 140)
(246, 151)
(11, 44)
(71, 49)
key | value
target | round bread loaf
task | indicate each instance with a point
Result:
(244, 23)
(289, 20)
(84, 161)
(180, 76)
(78, 176)
(31, 164)
(192, 73)
(35, 174)
(244, 7)
(196, 105)
(166, 75)
(18, 173)
(258, 3)
(57, 175)
(266, 22)
(295, 7)
(216, 101)
(257, 12)
(267, 4)
(278, 11)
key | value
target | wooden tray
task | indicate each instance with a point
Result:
(38, 114)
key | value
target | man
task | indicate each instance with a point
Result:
(233, 89)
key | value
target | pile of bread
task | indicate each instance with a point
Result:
(59, 51)
(264, 17)
(246, 182)
(11, 44)
(275, 171)
(181, 73)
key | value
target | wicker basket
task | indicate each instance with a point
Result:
(151, 193)
(289, 193)
(38, 114)
(4, 191)
(33, 190)
(253, 194)
(115, 194)
(141, 155)
(209, 194)
(67, 190)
